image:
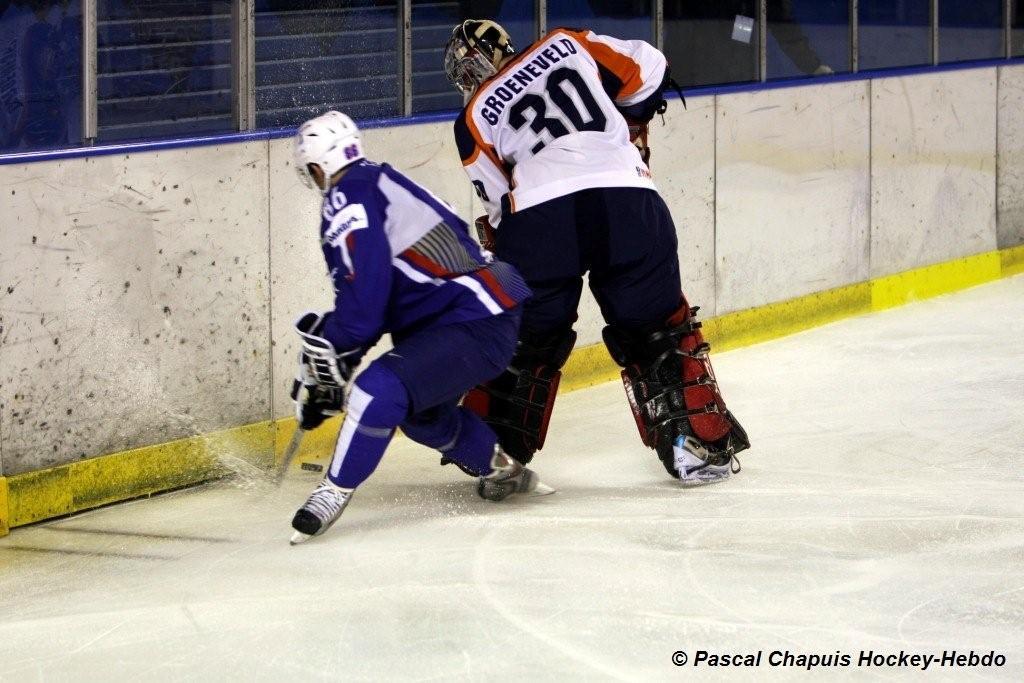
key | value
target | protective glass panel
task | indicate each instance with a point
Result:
(808, 37)
(164, 68)
(40, 75)
(894, 34)
(1017, 29)
(317, 55)
(627, 19)
(432, 24)
(712, 43)
(970, 29)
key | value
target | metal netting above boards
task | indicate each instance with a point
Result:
(76, 72)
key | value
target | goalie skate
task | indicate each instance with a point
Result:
(697, 465)
(321, 510)
(510, 477)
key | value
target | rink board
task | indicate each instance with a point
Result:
(90, 483)
(933, 143)
(794, 206)
(792, 193)
(1010, 190)
(135, 301)
(5, 508)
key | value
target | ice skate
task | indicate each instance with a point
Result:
(697, 465)
(321, 510)
(510, 477)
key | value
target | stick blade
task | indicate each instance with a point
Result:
(289, 455)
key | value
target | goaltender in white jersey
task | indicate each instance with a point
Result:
(557, 133)
(555, 141)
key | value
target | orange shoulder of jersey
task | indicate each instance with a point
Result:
(471, 143)
(622, 66)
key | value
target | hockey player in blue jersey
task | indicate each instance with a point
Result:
(402, 263)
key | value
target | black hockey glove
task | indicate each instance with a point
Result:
(485, 232)
(638, 116)
(638, 133)
(314, 403)
(319, 387)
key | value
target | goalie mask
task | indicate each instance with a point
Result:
(331, 141)
(474, 53)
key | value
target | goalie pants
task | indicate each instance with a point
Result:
(417, 386)
(623, 236)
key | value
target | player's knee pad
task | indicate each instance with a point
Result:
(672, 389)
(518, 403)
(384, 401)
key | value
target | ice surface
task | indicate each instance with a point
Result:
(881, 507)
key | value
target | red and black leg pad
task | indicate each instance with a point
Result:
(518, 403)
(672, 389)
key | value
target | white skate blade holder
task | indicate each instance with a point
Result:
(691, 463)
(322, 509)
(542, 489)
(298, 537)
(539, 489)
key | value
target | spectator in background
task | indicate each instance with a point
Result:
(716, 42)
(14, 20)
(175, 50)
(32, 70)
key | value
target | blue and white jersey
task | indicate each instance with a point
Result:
(402, 260)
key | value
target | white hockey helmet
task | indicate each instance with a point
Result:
(331, 141)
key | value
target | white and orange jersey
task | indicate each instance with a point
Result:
(549, 124)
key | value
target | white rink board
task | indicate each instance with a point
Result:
(427, 154)
(783, 210)
(933, 139)
(883, 514)
(683, 164)
(1011, 157)
(792, 193)
(134, 300)
(298, 272)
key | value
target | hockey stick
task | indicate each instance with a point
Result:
(289, 454)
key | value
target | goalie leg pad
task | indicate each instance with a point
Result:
(518, 403)
(672, 389)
